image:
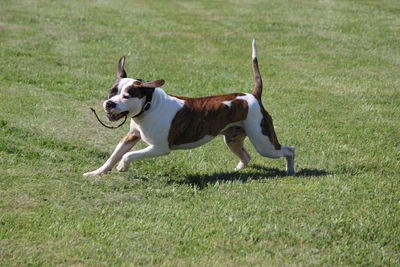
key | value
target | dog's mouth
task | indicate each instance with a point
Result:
(115, 117)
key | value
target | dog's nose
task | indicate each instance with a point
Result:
(110, 104)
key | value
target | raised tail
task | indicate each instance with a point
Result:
(257, 91)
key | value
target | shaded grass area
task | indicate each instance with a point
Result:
(331, 84)
(257, 172)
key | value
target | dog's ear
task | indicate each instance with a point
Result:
(152, 84)
(121, 70)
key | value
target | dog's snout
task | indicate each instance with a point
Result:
(110, 104)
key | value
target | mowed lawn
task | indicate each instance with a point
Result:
(331, 71)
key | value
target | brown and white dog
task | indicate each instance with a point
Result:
(166, 122)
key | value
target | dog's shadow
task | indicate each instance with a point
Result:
(257, 173)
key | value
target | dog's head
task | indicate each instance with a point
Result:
(127, 96)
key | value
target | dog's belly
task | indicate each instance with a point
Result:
(195, 144)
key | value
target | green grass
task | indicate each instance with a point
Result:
(331, 72)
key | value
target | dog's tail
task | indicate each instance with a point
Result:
(257, 91)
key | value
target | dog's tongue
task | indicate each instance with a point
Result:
(115, 117)
(111, 117)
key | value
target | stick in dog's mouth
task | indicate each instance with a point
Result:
(110, 127)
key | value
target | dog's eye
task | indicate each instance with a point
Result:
(125, 96)
(113, 92)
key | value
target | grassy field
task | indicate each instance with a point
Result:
(332, 84)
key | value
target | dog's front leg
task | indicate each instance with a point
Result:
(123, 146)
(148, 152)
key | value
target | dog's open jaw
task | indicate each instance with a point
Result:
(115, 117)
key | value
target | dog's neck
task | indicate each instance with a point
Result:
(157, 96)
(161, 102)
(147, 103)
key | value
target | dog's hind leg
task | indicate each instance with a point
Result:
(262, 136)
(266, 148)
(123, 147)
(233, 138)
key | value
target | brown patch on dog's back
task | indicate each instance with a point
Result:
(205, 116)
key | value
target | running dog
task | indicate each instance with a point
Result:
(166, 122)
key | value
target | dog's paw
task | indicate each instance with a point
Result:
(122, 166)
(290, 172)
(240, 166)
(94, 173)
(290, 169)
